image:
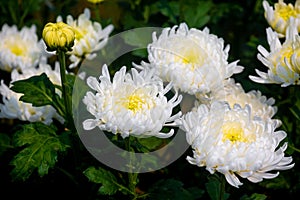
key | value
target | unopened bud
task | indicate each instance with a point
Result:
(58, 36)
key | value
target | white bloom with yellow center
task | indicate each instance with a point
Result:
(278, 17)
(282, 60)
(12, 108)
(89, 37)
(233, 93)
(130, 104)
(194, 60)
(19, 49)
(229, 141)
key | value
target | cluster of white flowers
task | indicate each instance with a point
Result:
(230, 131)
(233, 132)
(24, 55)
(279, 16)
(282, 61)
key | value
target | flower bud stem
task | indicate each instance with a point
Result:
(65, 89)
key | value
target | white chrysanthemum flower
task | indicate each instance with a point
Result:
(278, 17)
(12, 108)
(283, 59)
(89, 37)
(229, 141)
(19, 49)
(194, 60)
(233, 93)
(130, 104)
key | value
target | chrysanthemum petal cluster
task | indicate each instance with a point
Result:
(233, 93)
(194, 60)
(130, 104)
(230, 141)
(12, 108)
(19, 49)
(283, 59)
(279, 16)
(89, 36)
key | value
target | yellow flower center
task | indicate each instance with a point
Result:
(285, 11)
(234, 132)
(136, 102)
(17, 50)
(95, 1)
(191, 55)
(16, 46)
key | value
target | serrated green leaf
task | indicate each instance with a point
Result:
(107, 179)
(42, 146)
(37, 90)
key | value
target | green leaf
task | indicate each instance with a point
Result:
(109, 182)
(295, 111)
(280, 182)
(170, 9)
(40, 152)
(37, 90)
(151, 143)
(4, 143)
(254, 196)
(197, 15)
(138, 38)
(171, 189)
(214, 188)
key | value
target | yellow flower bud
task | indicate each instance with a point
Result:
(95, 1)
(58, 36)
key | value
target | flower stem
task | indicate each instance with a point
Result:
(132, 177)
(66, 93)
(222, 189)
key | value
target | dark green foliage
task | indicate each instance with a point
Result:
(109, 182)
(37, 90)
(40, 147)
(171, 189)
